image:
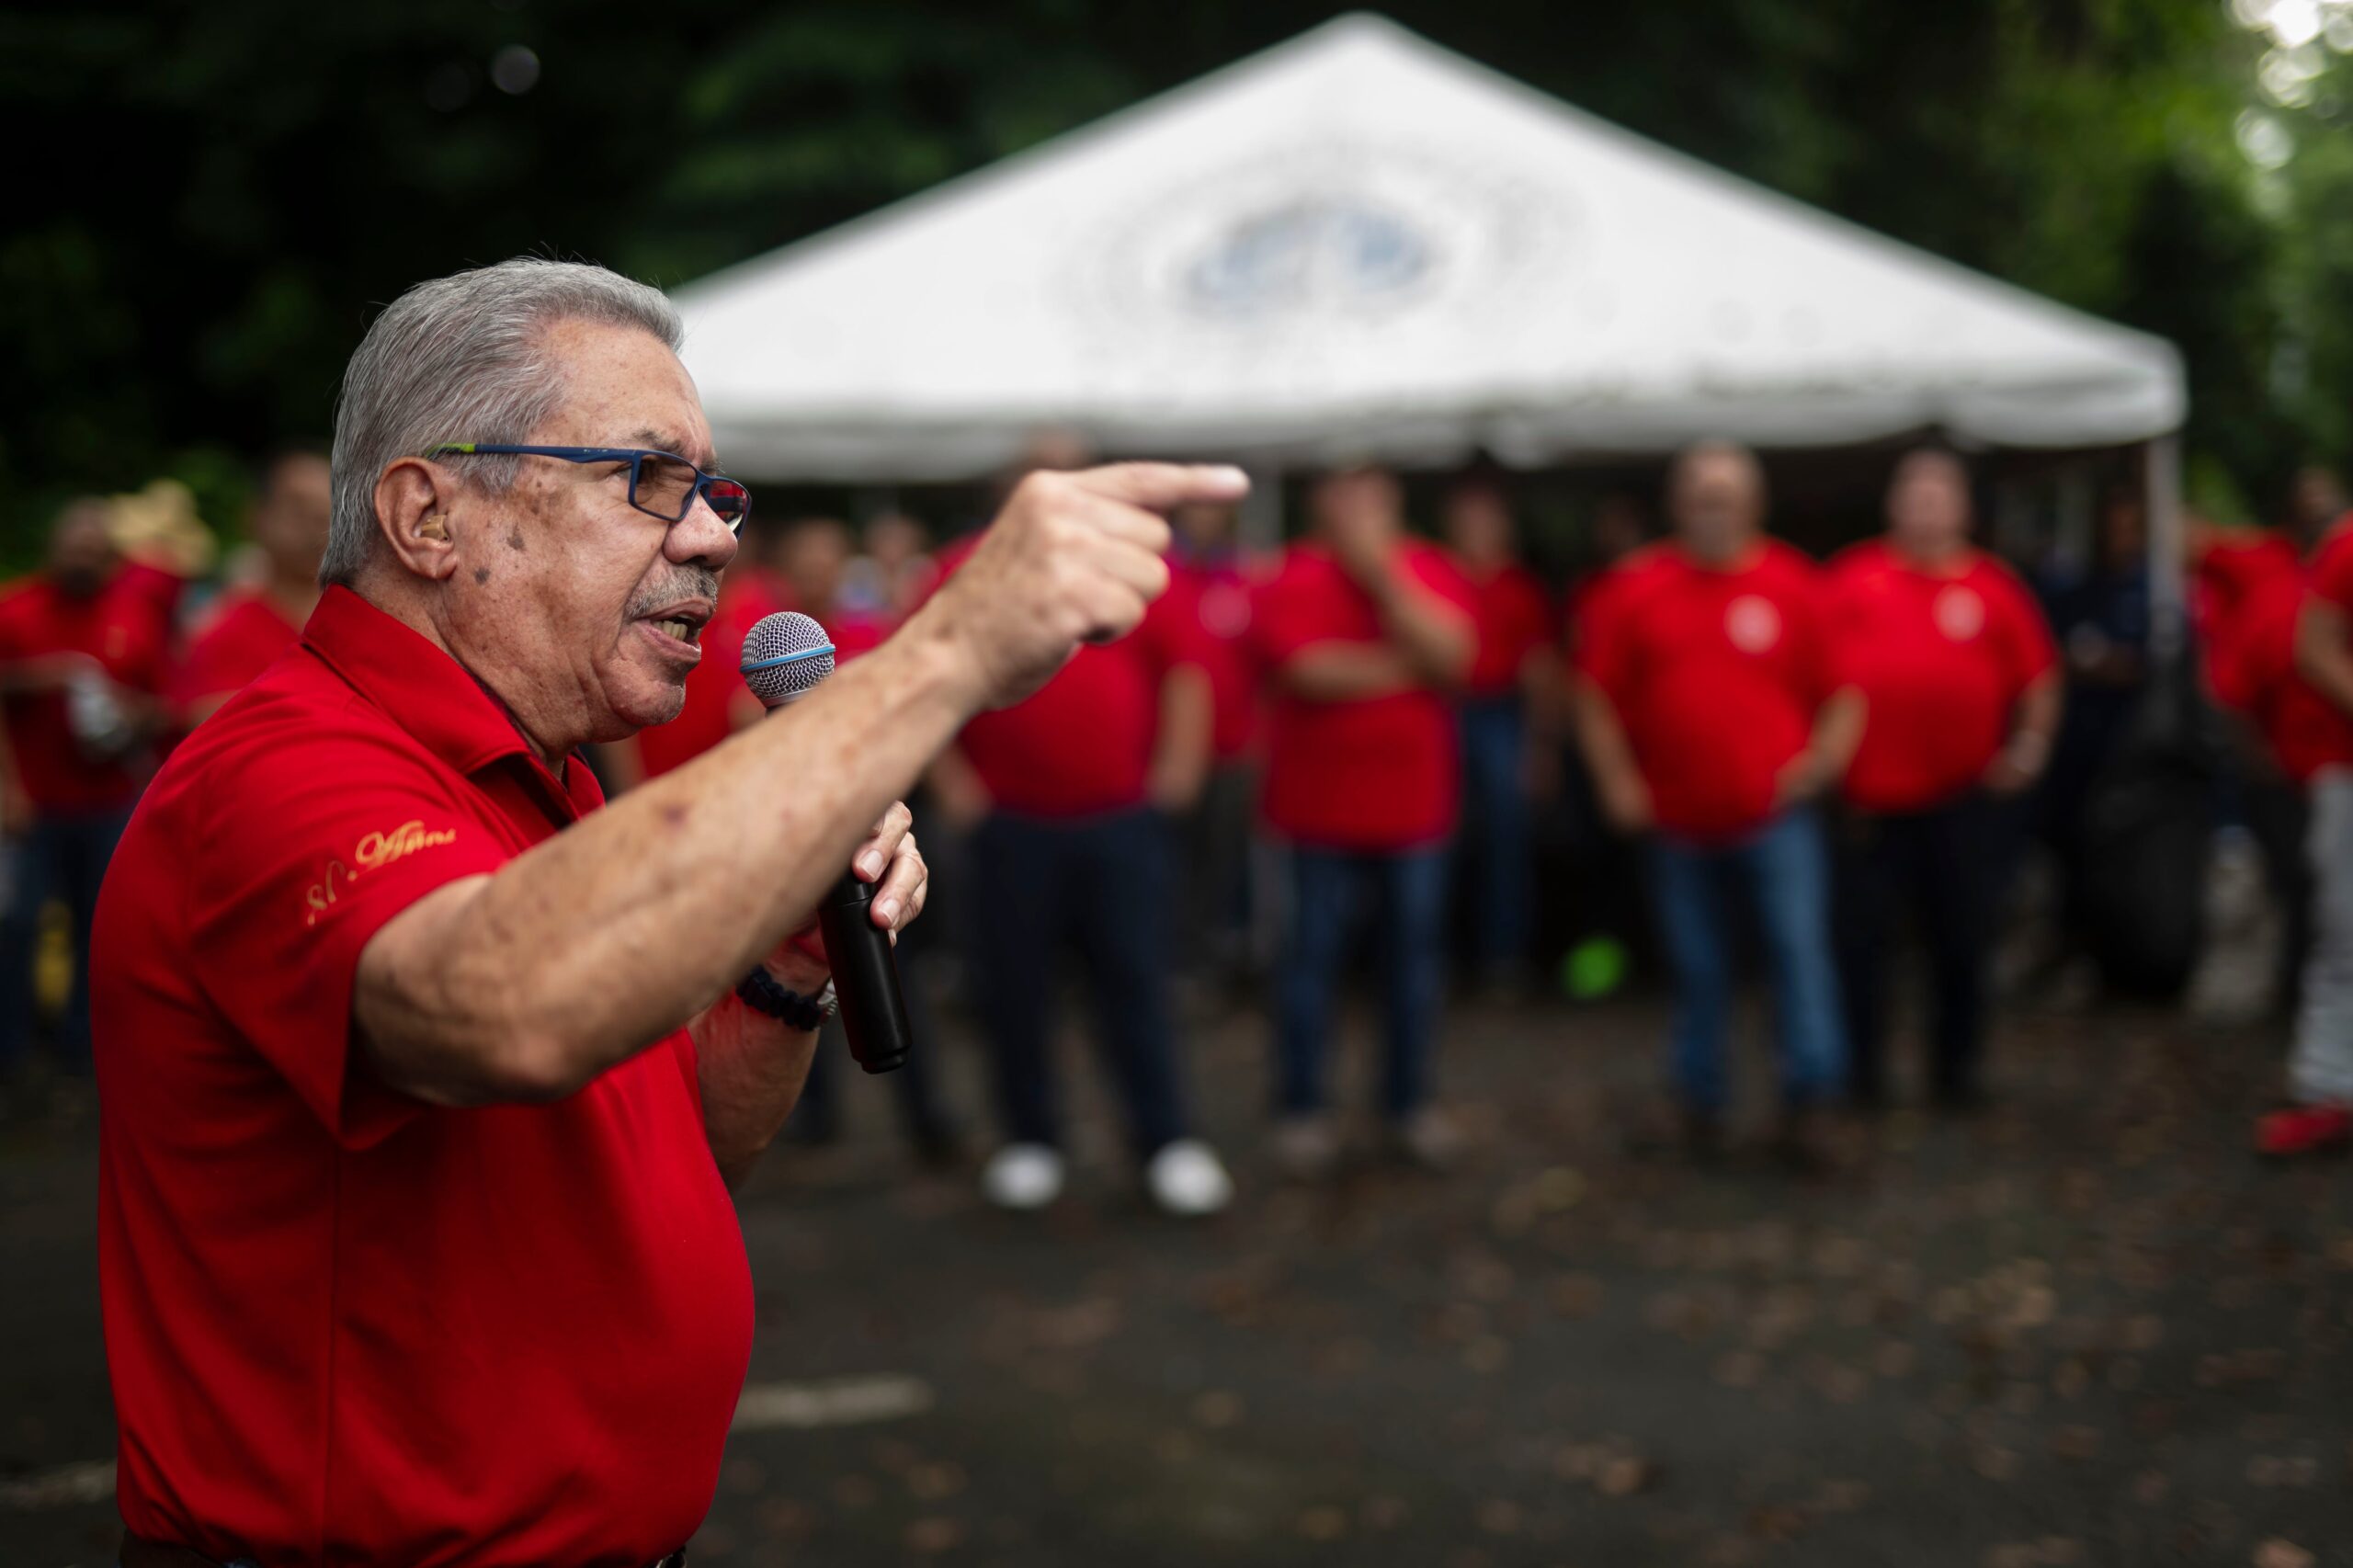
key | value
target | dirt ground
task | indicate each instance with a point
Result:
(2082, 1328)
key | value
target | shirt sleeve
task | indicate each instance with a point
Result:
(2032, 649)
(1598, 644)
(1281, 618)
(314, 843)
(1843, 654)
(1436, 570)
(1816, 668)
(1170, 634)
(2332, 578)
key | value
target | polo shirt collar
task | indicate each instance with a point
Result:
(426, 691)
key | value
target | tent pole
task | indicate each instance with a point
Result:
(2169, 597)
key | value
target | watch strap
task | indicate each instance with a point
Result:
(763, 992)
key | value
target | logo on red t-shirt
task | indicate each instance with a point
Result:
(1752, 623)
(1959, 613)
(1225, 610)
(374, 849)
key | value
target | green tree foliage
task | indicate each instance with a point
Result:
(225, 191)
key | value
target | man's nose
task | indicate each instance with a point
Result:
(701, 537)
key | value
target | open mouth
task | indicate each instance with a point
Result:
(678, 628)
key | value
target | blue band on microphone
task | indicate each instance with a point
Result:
(785, 659)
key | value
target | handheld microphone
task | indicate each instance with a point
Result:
(786, 655)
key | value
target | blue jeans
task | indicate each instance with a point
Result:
(62, 856)
(1495, 851)
(1099, 886)
(1782, 871)
(1408, 891)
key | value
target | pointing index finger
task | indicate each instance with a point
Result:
(1160, 487)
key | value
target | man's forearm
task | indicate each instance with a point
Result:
(1437, 641)
(1346, 672)
(1608, 754)
(751, 1069)
(2323, 656)
(599, 942)
(1180, 753)
(2038, 711)
(1837, 730)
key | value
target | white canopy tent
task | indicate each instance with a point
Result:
(1358, 244)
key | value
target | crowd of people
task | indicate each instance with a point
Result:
(1304, 758)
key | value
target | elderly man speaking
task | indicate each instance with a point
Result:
(423, 1077)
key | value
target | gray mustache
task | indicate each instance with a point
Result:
(691, 582)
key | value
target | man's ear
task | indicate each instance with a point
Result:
(413, 499)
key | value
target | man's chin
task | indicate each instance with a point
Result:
(654, 702)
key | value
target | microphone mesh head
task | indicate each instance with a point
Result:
(785, 655)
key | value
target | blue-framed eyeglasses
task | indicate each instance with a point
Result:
(660, 484)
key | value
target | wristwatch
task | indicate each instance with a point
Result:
(762, 993)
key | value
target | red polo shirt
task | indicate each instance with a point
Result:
(344, 1325)
(2307, 732)
(244, 631)
(1216, 596)
(1514, 619)
(1715, 673)
(114, 633)
(715, 688)
(1374, 773)
(1942, 658)
(1082, 744)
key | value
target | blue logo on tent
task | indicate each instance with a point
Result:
(1315, 252)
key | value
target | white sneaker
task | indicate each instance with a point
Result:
(1307, 1148)
(1187, 1179)
(1022, 1177)
(1429, 1139)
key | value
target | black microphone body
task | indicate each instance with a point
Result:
(866, 977)
(785, 656)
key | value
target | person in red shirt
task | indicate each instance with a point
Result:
(1961, 692)
(1212, 578)
(1365, 633)
(2245, 587)
(423, 1073)
(82, 667)
(1507, 685)
(2307, 714)
(247, 627)
(813, 557)
(1065, 800)
(1710, 717)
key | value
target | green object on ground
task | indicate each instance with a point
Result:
(1593, 968)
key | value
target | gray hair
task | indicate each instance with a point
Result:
(463, 358)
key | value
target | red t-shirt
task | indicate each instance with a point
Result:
(2306, 732)
(1941, 659)
(115, 633)
(1082, 744)
(1715, 674)
(345, 1326)
(854, 633)
(1374, 773)
(241, 633)
(1217, 599)
(715, 686)
(2251, 664)
(1514, 619)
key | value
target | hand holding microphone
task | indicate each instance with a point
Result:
(786, 657)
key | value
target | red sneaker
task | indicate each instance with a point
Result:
(2303, 1130)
